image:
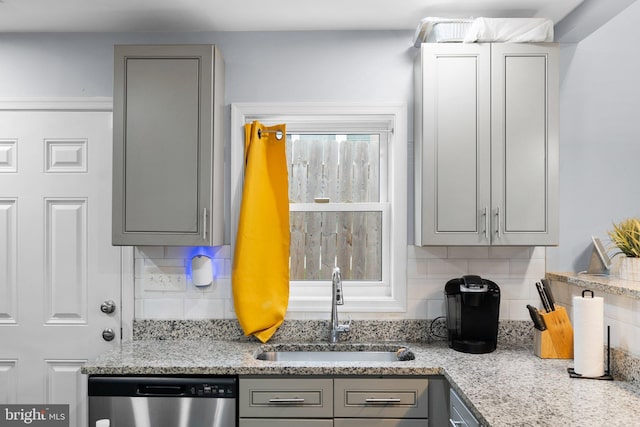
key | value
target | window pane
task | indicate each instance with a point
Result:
(342, 168)
(323, 240)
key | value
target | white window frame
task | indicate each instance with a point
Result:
(386, 117)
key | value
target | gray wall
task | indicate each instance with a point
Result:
(350, 66)
(600, 107)
(260, 66)
(599, 137)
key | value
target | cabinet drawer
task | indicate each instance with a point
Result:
(286, 398)
(379, 422)
(381, 398)
(460, 415)
(284, 422)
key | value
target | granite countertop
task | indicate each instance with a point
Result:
(509, 387)
(609, 284)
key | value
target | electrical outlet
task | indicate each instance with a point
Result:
(164, 278)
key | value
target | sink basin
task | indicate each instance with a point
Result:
(328, 356)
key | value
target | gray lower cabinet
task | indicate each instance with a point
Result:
(486, 144)
(381, 398)
(339, 401)
(168, 152)
(266, 401)
(460, 415)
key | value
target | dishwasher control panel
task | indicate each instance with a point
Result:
(212, 390)
(132, 386)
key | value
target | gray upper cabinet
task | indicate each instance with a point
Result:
(486, 144)
(168, 153)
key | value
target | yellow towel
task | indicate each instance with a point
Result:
(260, 273)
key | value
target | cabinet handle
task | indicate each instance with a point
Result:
(287, 400)
(383, 400)
(204, 224)
(486, 223)
(498, 223)
(455, 423)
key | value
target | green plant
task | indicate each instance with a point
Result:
(626, 236)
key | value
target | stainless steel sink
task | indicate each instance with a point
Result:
(328, 356)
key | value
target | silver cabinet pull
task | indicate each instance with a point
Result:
(204, 224)
(287, 400)
(498, 223)
(383, 400)
(486, 223)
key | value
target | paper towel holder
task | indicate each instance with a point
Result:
(607, 373)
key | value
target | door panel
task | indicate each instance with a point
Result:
(525, 144)
(64, 381)
(8, 381)
(66, 261)
(457, 163)
(162, 125)
(8, 249)
(57, 264)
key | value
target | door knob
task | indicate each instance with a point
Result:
(108, 307)
(108, 334)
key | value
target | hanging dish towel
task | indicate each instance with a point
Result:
(260, 272)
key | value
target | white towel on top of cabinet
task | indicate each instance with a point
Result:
(512, 30)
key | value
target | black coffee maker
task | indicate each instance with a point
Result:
(472, 307)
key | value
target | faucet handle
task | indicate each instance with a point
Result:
(342, 328)
(346, 327)
(349, 320)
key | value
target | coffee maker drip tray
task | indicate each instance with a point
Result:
(473, 347)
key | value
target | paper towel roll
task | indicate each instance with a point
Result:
(588, 335)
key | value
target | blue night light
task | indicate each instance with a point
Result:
(207, 251)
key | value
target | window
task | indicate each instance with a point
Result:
(347, 192)
(336, 205)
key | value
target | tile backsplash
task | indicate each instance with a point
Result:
(163, 288)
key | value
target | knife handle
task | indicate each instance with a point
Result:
(538, 320)
(546, 286)
(543, 297)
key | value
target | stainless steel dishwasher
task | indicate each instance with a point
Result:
(162, 401)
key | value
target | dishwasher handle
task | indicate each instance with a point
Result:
(161, 390)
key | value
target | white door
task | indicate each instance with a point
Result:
(57, 264)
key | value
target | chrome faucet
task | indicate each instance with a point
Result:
(336, 300)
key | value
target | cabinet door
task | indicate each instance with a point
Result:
(165, 100)
(524, 144)
(452, 140)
